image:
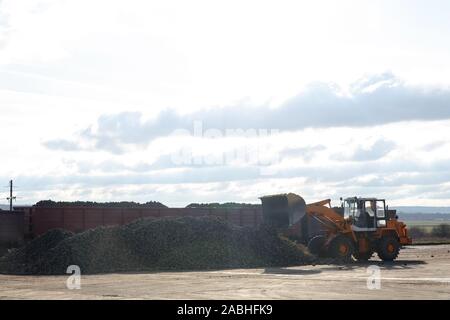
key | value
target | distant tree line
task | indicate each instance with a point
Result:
(226, 205)
(131, 204)
(90, 204)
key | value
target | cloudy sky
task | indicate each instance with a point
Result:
(201, 101)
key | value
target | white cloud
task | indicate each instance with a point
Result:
(388, 100)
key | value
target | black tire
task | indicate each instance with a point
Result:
(362, 257)
(388, 248)
(341, 248)
(316, 245)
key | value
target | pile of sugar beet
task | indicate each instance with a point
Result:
(182, 243)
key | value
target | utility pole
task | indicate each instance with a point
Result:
(11, 198)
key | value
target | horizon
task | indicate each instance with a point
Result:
(199, 202)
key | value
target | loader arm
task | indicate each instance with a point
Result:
(327, 216)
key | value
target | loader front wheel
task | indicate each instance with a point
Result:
(388, 248)
(341, 248)
(316, 245)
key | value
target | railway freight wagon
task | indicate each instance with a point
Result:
(77, 219)
(36, 220)
(12, 228)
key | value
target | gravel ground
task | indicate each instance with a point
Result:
(421, 272)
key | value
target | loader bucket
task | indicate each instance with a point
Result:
(283, 210)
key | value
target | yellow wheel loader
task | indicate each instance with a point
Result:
(356, 230)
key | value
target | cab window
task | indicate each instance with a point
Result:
(350, 209)
(380, 209)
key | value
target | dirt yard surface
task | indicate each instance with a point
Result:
(421, 272)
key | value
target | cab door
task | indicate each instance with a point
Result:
(369, 211)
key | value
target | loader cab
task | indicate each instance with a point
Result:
(366, 214)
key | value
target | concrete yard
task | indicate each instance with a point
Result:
(421, 272)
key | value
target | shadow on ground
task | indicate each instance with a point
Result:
(290, 271)
(401, 264)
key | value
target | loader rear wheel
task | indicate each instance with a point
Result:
(316, 245)
(341, 248)
(388, 248)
